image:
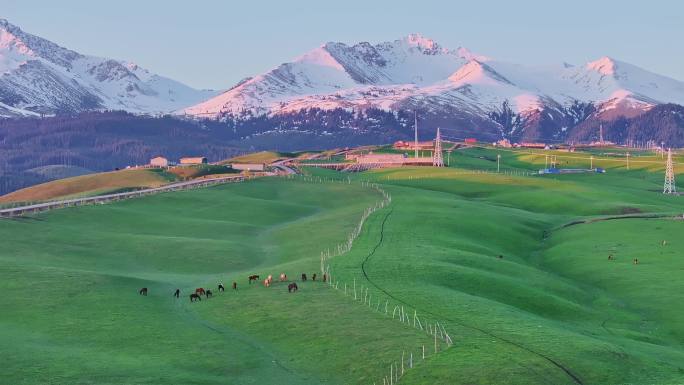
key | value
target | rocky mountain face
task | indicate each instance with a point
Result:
(40, 77)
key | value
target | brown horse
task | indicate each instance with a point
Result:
(200, 291)
(325, 277)
(292, 287)
(303, 277)
(195, 297)
(143, 291)
(254, 277)
(234, 285)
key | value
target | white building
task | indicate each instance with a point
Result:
(159, 161)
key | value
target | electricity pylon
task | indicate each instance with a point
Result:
(437, 160)
(669, 186)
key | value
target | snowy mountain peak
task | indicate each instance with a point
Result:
(320, 57)
(39, 76)
(419, 41)
(605, 66)
(475, 72)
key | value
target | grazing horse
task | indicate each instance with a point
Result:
(176, 293)
(200, 291)
(313, 278)
(303, 277)
(270, 278)
(292, 287)
(635, 261)
(283, 277)
(195, 297)
(267, 283)
(234, 285)
(143, 291)
(208, 293)
(254, 277)
(220, 287)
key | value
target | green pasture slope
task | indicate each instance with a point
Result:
(553, 310)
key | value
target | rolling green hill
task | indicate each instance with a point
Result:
(514, 267)
(91, 184)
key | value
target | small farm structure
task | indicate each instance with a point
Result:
(159, 161)
(193, 160)
(406, 145)
(249, 166)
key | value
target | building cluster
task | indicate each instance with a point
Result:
(160, 161)
(389, 159)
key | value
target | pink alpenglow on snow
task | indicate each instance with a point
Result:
(417, 71)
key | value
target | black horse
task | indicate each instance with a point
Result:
(292, 287)
(176, 293)
(234, 285)
(313, 278)
(208, 293)
(220, 287)
(143, 291)
(303, 277)
(195, 297)
(254, 277)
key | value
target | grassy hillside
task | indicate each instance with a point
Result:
(86, 322)
(552, 310)
(525, 298)
(91, 184)
(257, 157)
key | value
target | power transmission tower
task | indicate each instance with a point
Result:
(669, 186)
(437, 160)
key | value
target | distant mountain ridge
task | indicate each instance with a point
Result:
(416, 73)
(38, 77)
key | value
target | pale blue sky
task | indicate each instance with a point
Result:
(214, 44)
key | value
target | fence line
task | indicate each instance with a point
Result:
(441, 338)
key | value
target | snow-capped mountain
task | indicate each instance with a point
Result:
(417, 73)
(40, 77)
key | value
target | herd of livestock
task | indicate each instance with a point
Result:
(200, 291)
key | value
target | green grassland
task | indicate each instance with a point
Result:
(552, 310)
